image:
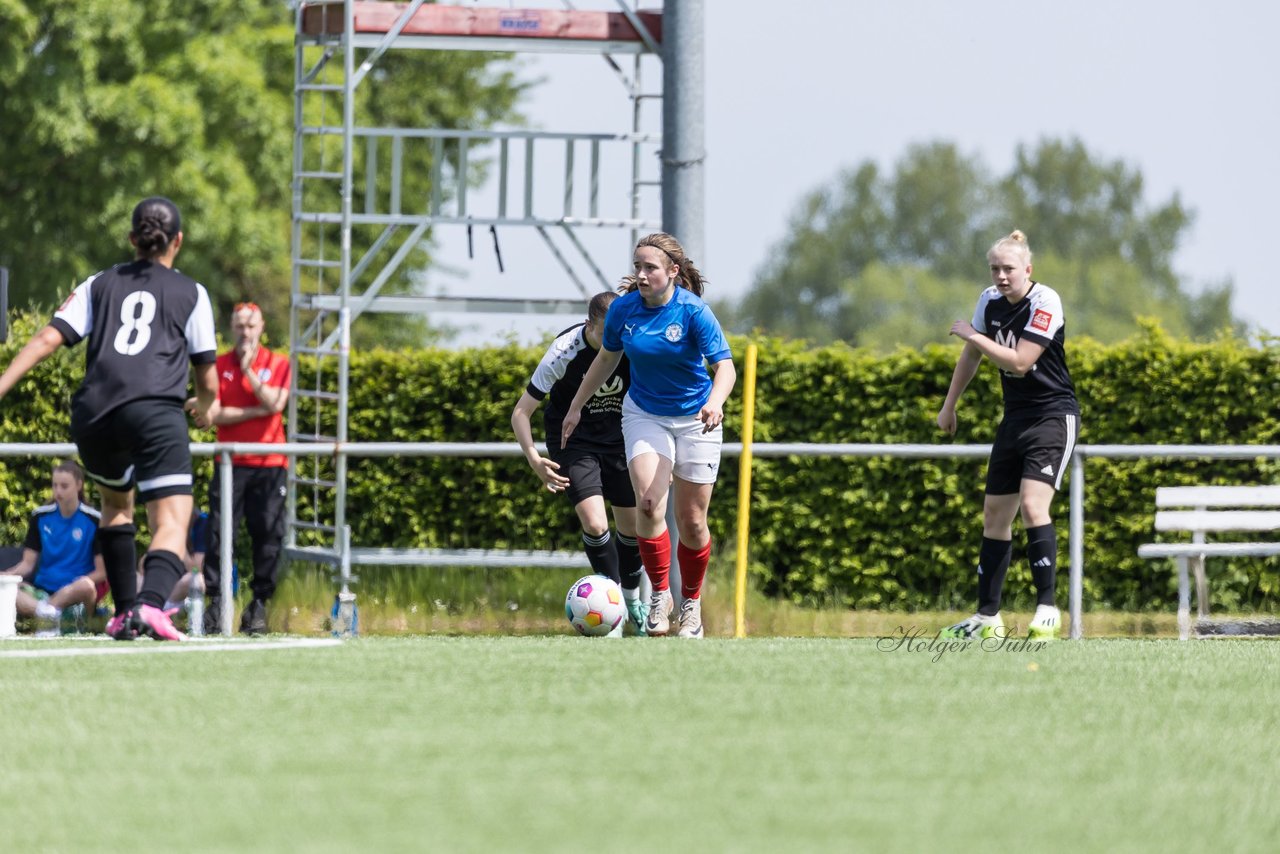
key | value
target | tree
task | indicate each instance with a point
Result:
(103, 102)
(886, 260)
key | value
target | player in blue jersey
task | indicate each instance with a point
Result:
(146, 329)
(672, 417)
(1019, 325)
(591, 468)
(59, 556)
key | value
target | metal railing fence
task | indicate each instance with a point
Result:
(343, 554)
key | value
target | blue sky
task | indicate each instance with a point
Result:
(796, 91)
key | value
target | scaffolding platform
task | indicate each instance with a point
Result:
(361, 206)
(461, 28)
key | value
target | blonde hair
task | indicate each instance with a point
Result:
(1015, 240)
(689, 276)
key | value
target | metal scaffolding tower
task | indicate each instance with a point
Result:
(353, 233)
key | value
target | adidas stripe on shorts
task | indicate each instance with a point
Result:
(1032, 448)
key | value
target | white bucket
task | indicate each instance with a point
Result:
(9, 605)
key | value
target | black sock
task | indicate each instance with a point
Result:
(629, 564)
(602, 555)
(120, 557)
(161, 571)
(993, 564)
(1042, 554)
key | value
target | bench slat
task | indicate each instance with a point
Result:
(1218, 496)
(1220, 520)
(1151, 550)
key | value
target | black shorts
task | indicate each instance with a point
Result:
(594, 473)
(1031, 449)
(142, 444)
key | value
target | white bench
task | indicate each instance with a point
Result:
(1210, 510)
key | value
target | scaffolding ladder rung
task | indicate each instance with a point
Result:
(316, 481)
(318, 262)
(331, 176)
(314, 526)
(318, 87)
(315, 437)
(315, 351)
(318, 395)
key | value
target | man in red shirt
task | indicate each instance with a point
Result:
(253, 388)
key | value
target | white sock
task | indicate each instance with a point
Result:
(631, 595)
(45, 611)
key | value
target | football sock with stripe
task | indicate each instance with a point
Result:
(655, 552)
(120, 557)
(602, 554)
(629, 564)
(693, 568)
(993, 565)
(1042, 554)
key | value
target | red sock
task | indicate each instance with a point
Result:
(656, 555)
(693, 568)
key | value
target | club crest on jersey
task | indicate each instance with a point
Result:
(673, 333)
(77, 534)
(1041, 320)
(264, 374)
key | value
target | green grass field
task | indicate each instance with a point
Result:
(561, 743)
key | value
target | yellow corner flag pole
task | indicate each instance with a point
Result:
(744, 496)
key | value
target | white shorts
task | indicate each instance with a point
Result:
(679, 438)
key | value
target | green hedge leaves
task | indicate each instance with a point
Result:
(854, 532)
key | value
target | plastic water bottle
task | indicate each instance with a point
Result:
(344, 619)
(72, 621)
(195, 604)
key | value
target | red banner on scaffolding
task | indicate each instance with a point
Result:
(434, 20)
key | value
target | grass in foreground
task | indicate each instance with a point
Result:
(539, 744)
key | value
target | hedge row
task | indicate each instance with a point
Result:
(864, 533)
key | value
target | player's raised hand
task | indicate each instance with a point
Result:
(947, 420)
(568, 425)
(548, 472)
(711, 417)
(193, 408)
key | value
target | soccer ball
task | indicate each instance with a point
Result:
(594, 605)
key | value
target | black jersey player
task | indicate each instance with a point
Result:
(144, 325)
(592, 468)
(1018, 324)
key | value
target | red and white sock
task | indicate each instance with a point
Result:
(693, 568)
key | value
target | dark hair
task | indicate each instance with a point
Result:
(77, 474)
(689, 276)
(598, 307)
(156, 221)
